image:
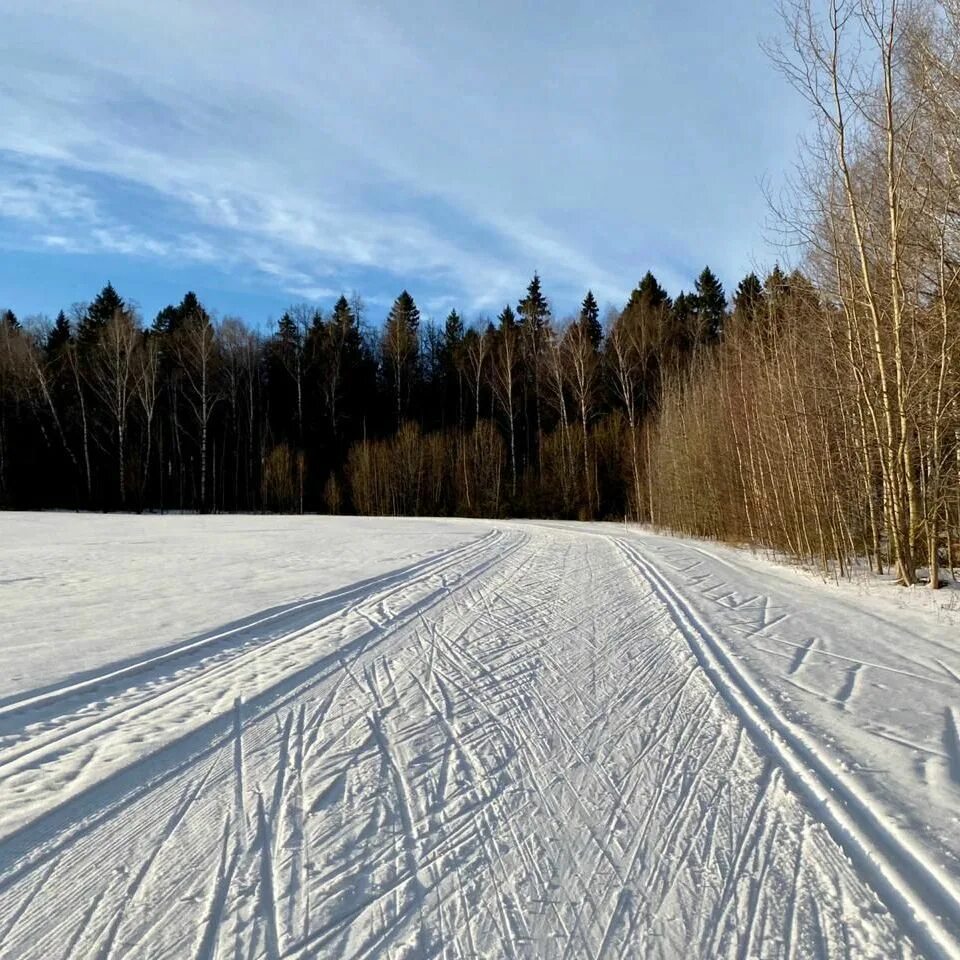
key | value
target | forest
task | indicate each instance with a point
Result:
(814, 412)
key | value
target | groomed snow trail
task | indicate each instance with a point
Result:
(518, 747)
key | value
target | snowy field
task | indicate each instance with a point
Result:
(327, 737)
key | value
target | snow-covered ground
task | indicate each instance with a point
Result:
(299, 737)
(77, 593)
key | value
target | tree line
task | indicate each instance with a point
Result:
(516, 415)
(816, 413)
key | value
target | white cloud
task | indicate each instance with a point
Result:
(38, 198)
(430, 141)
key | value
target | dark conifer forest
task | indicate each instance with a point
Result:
(522, 414)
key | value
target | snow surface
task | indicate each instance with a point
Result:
(299, 737)
(80, 592)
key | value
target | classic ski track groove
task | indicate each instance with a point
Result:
(899, 871)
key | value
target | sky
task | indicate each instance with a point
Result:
(264, 154)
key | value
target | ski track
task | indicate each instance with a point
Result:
(527, 746)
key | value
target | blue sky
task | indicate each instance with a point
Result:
(263, 154)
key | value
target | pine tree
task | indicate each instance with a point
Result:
(9, 320)
(590, 320)
(506, 319)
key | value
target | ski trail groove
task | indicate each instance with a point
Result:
(905, 879)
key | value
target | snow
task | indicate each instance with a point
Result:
(286, 737)
(79, 592)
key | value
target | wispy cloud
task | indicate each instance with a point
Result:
(322, 145)
(40, 198)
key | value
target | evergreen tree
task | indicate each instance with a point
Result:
(58, 337)
(649, 293)
(191, 310)
(345, 373)
(776, 283)
(533, 309)
(776, 291)
(682, 335)
(711, 305)
(401, 350)
(590, 320)
(342, 315)
(404, 310)
(9, 320)
(172, 318)
(643, 311)
(451, 368)
(506, 319)
(453, 329)
(166, 321)
(288, 334)
(105, 306)
(749, 296)
(534, 312)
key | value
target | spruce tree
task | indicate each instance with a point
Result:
(453, 329)
(173, 318)
(534, 314)
(776, 291)
(105, 305)
(342, 315)
(58, 337)
(166, 320)
(346, 373)
(288, 335)
(711, 305)
(590, 319)
(649, 293)
(401, 348)
(191, 310)
(749, 296)
(404, 310)
(682, 335)
(533, 309)
(451, 350)
(647, 298)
